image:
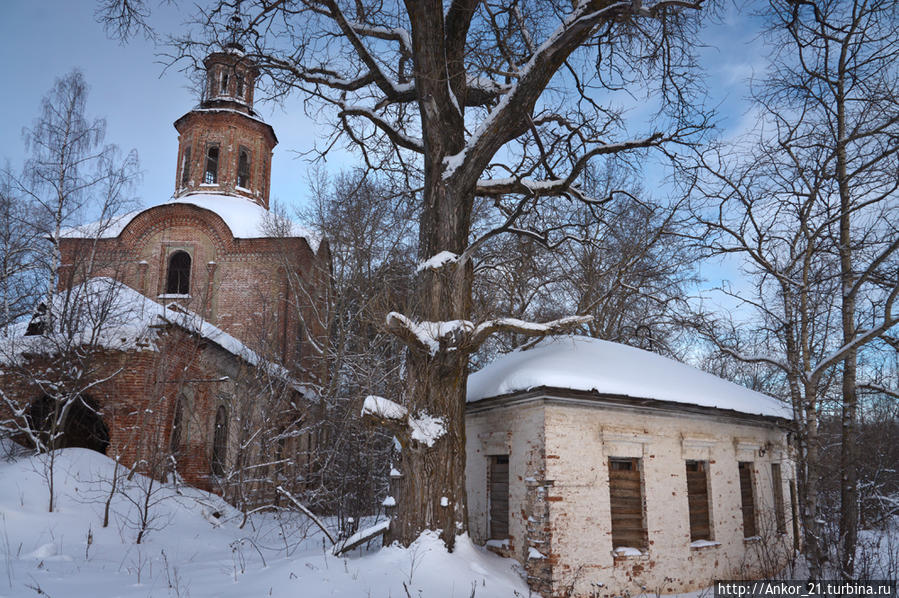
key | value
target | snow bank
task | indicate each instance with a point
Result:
(189, 552)
(588, 364)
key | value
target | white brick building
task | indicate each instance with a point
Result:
(610, 470)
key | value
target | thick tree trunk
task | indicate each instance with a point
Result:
(432, 489)
(436, 380)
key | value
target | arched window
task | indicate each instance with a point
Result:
(212, 165)
(185, 167)
(220, 442)
(177, 427)
(239, 83)
(178, 280)
(223, 90)
(243, 168)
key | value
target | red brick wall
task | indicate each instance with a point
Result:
(244, 290)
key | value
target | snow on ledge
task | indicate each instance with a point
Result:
(627, 551)
(438, 261)
(381, 407)
(533, 553)
(704, 543)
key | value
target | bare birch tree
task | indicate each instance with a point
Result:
(812, 207)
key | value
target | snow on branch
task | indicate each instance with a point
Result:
(383, 408)
(427, 335)
(438, 261)
(527, 328)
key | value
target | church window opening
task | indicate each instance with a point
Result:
(178, 280)
(71, 422)
(243, 168)
(239, 84)
(219, 442)
(185, 167)
(223, 90)
(212, 165)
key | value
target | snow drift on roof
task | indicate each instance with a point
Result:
(104, 313)
(245, 218)
(588, 364)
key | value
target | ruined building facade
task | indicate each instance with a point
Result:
(228, 307)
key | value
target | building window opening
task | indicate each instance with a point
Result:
(698, 500)
(239, 84)
(78, 426)
(223, 90)
(219, 442)
(212, 165)
(626, 502)
(499, 497)
(747, 499)
(178, 281)
(777, 486)
(243, 168)
(185, 167)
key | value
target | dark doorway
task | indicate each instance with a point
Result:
(499, 497)
(81, 427)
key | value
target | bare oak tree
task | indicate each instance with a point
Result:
(506, 100)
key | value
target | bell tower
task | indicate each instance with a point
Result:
(224, 148)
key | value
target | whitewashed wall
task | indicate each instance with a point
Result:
(559, 494)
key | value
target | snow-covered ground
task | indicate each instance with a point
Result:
(189, 551)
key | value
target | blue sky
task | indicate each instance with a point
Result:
(40, 41)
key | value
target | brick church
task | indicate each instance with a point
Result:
(196, 324)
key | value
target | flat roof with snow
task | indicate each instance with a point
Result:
(580, 363)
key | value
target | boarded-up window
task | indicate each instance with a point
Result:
(499, 497)
(698, 500)
(626, 498)
(778, 488)
(747, 499)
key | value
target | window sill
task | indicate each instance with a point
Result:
(753, 539)
(173, 296)
(702, 544)
(630, 554)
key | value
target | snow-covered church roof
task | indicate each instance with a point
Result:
(246, 220)
(589, 364)
(107, 314)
